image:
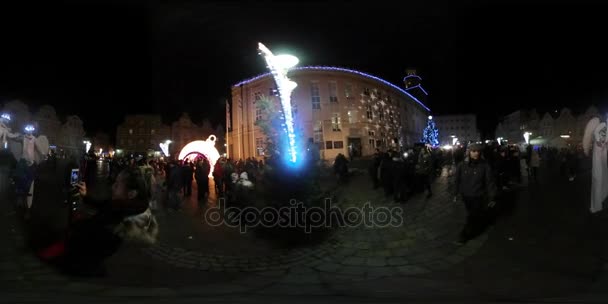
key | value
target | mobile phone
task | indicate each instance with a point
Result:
(74, 177)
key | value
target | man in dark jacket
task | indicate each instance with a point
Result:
(474, 183)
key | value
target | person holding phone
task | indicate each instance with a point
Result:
(91, 241)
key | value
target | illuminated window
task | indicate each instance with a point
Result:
(370, 113)
(335, 122)
(338, 144)
(366, 91)
(131, 131)
(259, 144)
(352, 116)
(329, 145)
(152, 131)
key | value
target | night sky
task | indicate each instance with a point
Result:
(102, 60)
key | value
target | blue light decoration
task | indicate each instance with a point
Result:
(279, 66)
(6, 116)
(420, 87)
(430, 135)
(337, 69)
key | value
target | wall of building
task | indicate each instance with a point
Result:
(464, 127)
(338, 101)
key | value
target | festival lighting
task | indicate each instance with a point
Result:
(6, 116)
(29, 128)
(164, 146)
(527, 137)
(325, 68)
(204, 147)
(279, 66)
(87, 145)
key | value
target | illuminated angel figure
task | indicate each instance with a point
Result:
(32, 149)
(595, 139)
(5, 131)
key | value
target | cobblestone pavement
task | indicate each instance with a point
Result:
(533, 252)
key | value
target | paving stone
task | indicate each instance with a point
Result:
(353, 261)
(375, 262)
(411, 270)
(396, 261)
(295, 289)
(377, 272)
(352, 270)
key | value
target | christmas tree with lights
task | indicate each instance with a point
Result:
(430, 135)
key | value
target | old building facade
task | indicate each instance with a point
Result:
(341, 110)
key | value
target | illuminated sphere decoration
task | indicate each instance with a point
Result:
(201, 147)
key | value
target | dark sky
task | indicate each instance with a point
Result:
(102, 60)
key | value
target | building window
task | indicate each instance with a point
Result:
(381, 115)
(318, 132)
(140, 131)
(259, 145)
(141, 141)
(315, 96)
(273, 92)
(333, 91)
(352, 117)
(130, 141)
(152, 131)
(257, 96)
(371, 133)
(335, 122)
(370, 113)
(122, 142)
(348, 90)
(366, 91)
(389, 100)
(328, 145)
(258, 114)
(338, 144)
(131, 131)
(372, 143)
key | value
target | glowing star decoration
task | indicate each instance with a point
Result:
(382, 103)
(201, 147)
(279, 66)
(165, 147)
(362, 100)
(373, 96)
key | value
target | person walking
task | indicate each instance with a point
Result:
(474, 184)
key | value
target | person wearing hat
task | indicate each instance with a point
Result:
(474, 184)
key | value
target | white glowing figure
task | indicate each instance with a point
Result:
(279, 66)
(100, 152)
(527, 137)
(204, 147)
(87, 146)
(595, 142)
(454, 141)
(165, 147)
(5, 131)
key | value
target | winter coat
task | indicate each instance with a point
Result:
(474, 179)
